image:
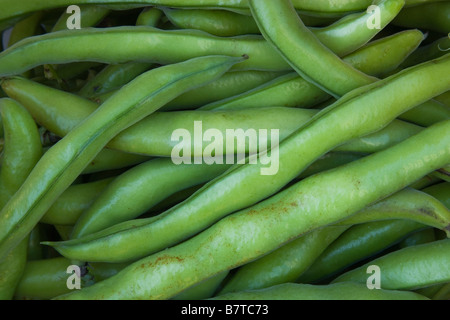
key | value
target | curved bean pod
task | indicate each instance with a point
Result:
(432, 16)
(432, 51)
(285, 264)
(73, 202)
(417, 238)
(441, 192)
(139, 44)
(276, 221)
(89, 16)
(291, 90)
(43, 279)
(28, 27)
(409, 268)
(156, 179)
(62, 164)
(338, 291)
(303, 51)
(22, 151)
(357, 244)
(374, 106)
(289, 262)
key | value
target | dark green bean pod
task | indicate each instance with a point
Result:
(358, 243)
(420, 237)
(440, 191)
(432, 16)
(410, 268)
(63, 163)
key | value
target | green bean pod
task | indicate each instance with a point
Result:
(90, 16)
(230, 84)
(109, 159)
(378, 57)
(409, 204)
(308, 205)
(217, 22)
(156, 179)
(62, 164)
(283, 265)
(409, 268)
(310, 58)
(330, 161)
(440, 191)
(427, 113)
(374, 106)
(22, 151)
(203, 290)
(358, 243)
(139, 44)
(432, 16)
(73, 202)
(421, 237)
(338, 291)
(289, 262)
(444, 98)
(25, 28)
(43, 279)
(431, 51)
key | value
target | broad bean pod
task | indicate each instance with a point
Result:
(62, 164)
(374, 106)
(276, 221)
(410, 268)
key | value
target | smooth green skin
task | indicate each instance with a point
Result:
(89, 16)
(441, 192)
(289, 262)
(149, 17)
(217, 22)
(291, 90)
(11, 270)
(230, 84)
(25, 28)
(409, 268)
(139, 44)
(22, 150)
(432, 51)
(285, 264)
(351, 32)
(427, 113)
(115, 76)
(62, 164)
(101, 271)
(444, 98)
(420, 237)
(373, 106)
(330, 161)
(283, 29)
(203, 290)
(109, 159)
(43, 279)
(358, 243)
(152, 136)
(73, 202)
(339, 291)
(432, 16)
(35, 249)
(253, 232)
(409, 204)
(156, 180)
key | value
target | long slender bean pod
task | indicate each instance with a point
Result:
(139, 44)
(258, 230)
(291, 90)
(284, 30)
(61, 165)
(409, 268)
(374, 106)
(338, 291)
(432, 16)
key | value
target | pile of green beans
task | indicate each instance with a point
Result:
(349, 102)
